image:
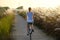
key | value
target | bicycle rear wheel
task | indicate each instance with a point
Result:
(30, 37)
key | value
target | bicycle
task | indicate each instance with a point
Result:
(30, 32)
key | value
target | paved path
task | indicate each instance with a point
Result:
(19, 32)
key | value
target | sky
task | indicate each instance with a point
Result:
(30, 3)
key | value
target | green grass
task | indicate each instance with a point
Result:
(23, 14)
(5, 26)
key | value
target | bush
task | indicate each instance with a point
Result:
(5, 27)
(48, 21)
(23, 14)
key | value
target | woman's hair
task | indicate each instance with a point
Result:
(29, 9)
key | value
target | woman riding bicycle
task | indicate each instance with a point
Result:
(30, 19)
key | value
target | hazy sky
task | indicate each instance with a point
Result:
(30, 3)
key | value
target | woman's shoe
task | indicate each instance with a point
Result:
(32, 30)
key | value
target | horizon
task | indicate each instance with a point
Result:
(29, 3)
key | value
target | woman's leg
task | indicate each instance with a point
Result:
(32, 27)
(27, 28)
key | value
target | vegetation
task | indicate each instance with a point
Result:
(6, 22)
(23, 14)
(2, 10)
(5, 8)
(21, 7)
(48, 20)
(5, 27)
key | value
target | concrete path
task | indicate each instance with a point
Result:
(19, 32)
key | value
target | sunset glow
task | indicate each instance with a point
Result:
(30, 3)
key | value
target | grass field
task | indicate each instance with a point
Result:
(5, 26)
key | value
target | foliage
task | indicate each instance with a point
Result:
(5, 8)
(2, 10)
(5, 27)
(47, 20)
(23, 14)
(21, 7)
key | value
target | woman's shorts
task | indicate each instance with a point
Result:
(29, 23)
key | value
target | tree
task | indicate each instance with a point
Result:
(6, 8)
(21, 7)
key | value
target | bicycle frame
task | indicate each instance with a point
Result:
(30, 32)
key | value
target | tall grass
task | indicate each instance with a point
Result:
(47, 20)
(23, 14)
(5, 26)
